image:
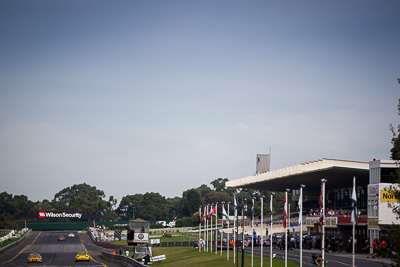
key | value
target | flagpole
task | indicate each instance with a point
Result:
(286, 235)
(234, 227)
(200, 229)
(216, 227)
(270, 239)
(211, 230)
(261, 231)
(354, 214)
(252, 231)
(222, 227)
(206, 215)
(323, 222)
(301, 223)
(227, 237)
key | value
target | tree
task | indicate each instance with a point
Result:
(154, 207)
(191, 202)
(204, 190)
(130, 207)
(219, 184)
(81, 197)
(395, 151)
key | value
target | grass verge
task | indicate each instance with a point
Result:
(186, 256)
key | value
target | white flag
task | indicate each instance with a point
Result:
(300, 203)
(354, 205)
(224, 213)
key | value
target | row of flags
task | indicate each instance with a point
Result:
(300, 201)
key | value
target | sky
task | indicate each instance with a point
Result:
(164, 96)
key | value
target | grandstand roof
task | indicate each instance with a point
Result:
(339, 174)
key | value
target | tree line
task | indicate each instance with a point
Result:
(149, 206)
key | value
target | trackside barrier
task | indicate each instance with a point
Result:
(120, 259)
(15, 242)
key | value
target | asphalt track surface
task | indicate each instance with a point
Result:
(54, 252)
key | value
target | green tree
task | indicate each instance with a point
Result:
(130, 207)
(219, 184)
(154, 207)
(204, 190)
(191, 202)
(174, 207)
(81, 197)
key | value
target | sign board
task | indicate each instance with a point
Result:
(141, 238)
(388, 196)
(155, 241)
(159, 258)
(373, 223)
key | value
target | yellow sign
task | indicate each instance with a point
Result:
(388, 196)
(373, 223)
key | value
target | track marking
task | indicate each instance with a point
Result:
(23, 250)
(91, 256)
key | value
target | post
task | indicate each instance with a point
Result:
(207, 227)
(243, 232)
(222, 226)
(200, 229)
(227, 237)
(252, 231)
(216, 228)
(261, 231)
(211, 230)
(286, 235)
(234, 227)
(323, 222)
(354, 223)
(301, 223)
(270, 240)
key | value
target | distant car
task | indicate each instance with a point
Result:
(82, 256)
(34, 257)
(71, 235)
(61, 238)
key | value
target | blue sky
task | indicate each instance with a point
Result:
(164, 96)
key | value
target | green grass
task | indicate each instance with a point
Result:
(187, 256)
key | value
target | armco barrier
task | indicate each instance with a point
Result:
(123, 260)
(16, 242)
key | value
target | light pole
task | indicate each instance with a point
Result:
(323, 181)
(270, 239)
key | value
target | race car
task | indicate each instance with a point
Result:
(34, 257)
(82, 256)
(61, 238)
(71, 235)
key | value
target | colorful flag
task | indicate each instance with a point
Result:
(354, 205)
(284, 212)
(321, 208)
(224, 213)
(204, 214)
(199, 215)
(252, 211)
(300, 203)
(212, 213)
(270, 207)
(235, 205)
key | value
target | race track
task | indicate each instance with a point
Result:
(54, 252)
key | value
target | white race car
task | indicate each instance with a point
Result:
(71, 235)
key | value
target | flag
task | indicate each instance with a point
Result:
(259, 214)
(354, 205)
(235, 205)
(321, 208)
(212, 213)
(300, 203)
(252, 211)
(204, 214)
(200, 215)
(270, 207)
(224, 213)
(284, 212)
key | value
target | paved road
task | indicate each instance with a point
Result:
(54, 252)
